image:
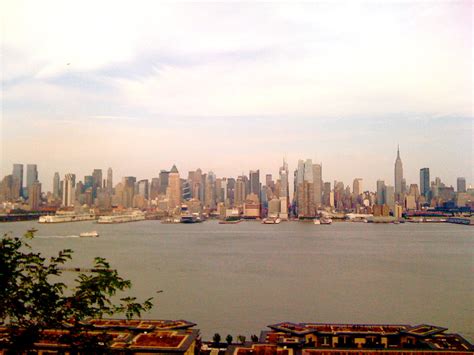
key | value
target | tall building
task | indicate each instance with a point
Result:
(318, 184)
(69, 193)
(284, 190)
(425, 182)
(31, 175)
(174, 188)
(380, 192)
(18, 179)
(34, 195)
(109, 184)
(56, 185)
(164, 177)
(398, 177)
(305, 190)
(240, 193)
(254, 177)
(461, 184)
(143, 188)
(357, 187)
(389, 197)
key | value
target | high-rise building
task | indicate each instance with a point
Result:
(69, 193)
(357, 187)
(389, 197)
(240, 193)
(398, 177)
(461, 184)
(425, 182)
(109, 184)
(305, 189)
(254, 177)
(31, 175)
(327, 194)
(88, 181)
(34, 195)
(164, 177)
(284, 190)
(318, 184)
(174, 188)
(18, 179)
(143, 188)
(154, 188)
(380, 192)
(56, 185)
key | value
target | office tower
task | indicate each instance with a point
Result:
(425, 182)
(31, 175)
(97, 178)
(154, 188)
(56, 184)
(461, 184)
(143, 188)
(254, 178)
(339, 195)
(380, 192)
(284, 190)
(164, 177)
(398, 176)
(240, 193)
(327, 194)
(357, 187)
(269, 180)
(305, 189)
(7, 189)
(174, 188)
(34, 195)
(69, 194)
(231, 191)
(109, 185)
(18, 179)
(186, 190)
(210, 190)
(88, 182)
(308, 171)
(126, 191)
(389, 197)
(318, 184)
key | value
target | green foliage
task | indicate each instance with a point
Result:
(216, 338)
(31, 300)
(229, 339)
(241, 338)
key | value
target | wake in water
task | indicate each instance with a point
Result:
(56, 236)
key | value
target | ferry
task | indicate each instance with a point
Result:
(92, 234)
(134, 216)
(63, 217)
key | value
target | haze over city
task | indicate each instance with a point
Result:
(238, 86)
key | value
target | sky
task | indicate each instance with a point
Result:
(234, 86)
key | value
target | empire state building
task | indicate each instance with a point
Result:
(398, 176)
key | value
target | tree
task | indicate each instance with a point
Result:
(32, 298)
(254, 338)
(216, 338)
(229, 339)
(241, 338)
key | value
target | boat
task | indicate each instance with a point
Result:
(189, 218)
(62, 217)
(271, 220)
(92, 234)
(32, 230)
(234, 221)
(133, 216)
(325, 220)
(316, 221)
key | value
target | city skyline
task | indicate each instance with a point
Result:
(222, 85)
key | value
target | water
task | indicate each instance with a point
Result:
(237, 279)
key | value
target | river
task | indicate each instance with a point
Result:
(237, 279)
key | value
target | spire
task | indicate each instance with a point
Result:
(174, 169)
(398, 151)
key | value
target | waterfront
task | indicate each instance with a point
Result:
(238, 278)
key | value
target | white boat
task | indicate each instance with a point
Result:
(316, 221)
(271, 220)
(326, 220)
(92, 234)
(134, 216)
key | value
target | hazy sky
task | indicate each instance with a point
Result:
(235, 86)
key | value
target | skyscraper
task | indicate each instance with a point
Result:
(461, 184)
(380, 192)
(425, 182)
(357, 187)
(109, 183)
(174, 188)
(18, 179)
(318, 184)
(254, 177)
(284, 190)
(69, 184)
(56, 184)
(34, 195)
(31, 175)
(398, 177)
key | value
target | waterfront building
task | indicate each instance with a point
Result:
(143, 188)
(461, 184)
(17, 175)
(110, 181)
(251, 208)
(380, 192)
(240, 192)
(398, 176)
(425, 182)
(274, 206)
(410, 202)
(69, 193)
(174, 188)
(127, 191)
(284, 190)
(56, 185)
